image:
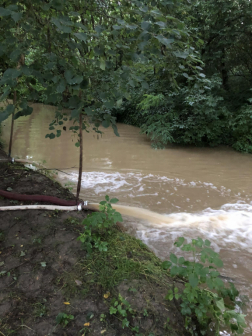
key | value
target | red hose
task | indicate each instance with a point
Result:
(36, 198)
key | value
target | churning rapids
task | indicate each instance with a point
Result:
(164, 194)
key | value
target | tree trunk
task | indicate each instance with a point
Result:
(12, 122)
(80, 161)
(20, 63)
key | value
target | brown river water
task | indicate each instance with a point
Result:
(164, 194)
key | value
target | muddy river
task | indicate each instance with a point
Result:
(164, 194)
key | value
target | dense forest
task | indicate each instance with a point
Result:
(180, 70)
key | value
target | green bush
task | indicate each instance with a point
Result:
(98, 225)
(205, 296)
(200, 114)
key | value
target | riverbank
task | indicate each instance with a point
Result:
(45, 273)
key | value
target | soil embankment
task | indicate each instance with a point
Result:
(44, 272)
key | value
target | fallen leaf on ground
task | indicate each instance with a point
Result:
(66, 303)
(106, 295)
(86, 324)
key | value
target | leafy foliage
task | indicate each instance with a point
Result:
(99, 224)
(207, 103)
(82, 55)
(122, 308)
(64, 319)
(211, 303)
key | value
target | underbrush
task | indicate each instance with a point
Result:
(206, 303)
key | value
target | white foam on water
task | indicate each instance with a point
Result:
(228, 227)
(102, 182)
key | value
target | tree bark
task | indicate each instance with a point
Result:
(80, 161)
(20, 63)
(12, 122)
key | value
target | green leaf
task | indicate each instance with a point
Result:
(115, 130)
(109, 104)
(105, 123)
(166, 265)
(180, 241)
(112, 310)
(174, 270)
(156, 12)
(240, 318)
(115, 27)
(81, 36)
(145, 85)
(193, 280)
(24, 112)
(4, 11)
(169, 296)
(173, 258)
(5, 114)
(102, 64)
(161, 24)
(145, 25)
(16, 16)
(10, 74)
(218, 262)
(165, 40)
(181, 54)
(68, 76)
(181, 260)
(15, 55)
(50, 136)
(117, 217)
(207, 242)
(119, 102)
(76, 79)
(218, 283)
(61, 86)
(220, 304)
(61, 25)
(5, 94)
(125, 323)
(60, 317)
(107, 198)
(58, 133)
(114, 200)
(74, 102)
